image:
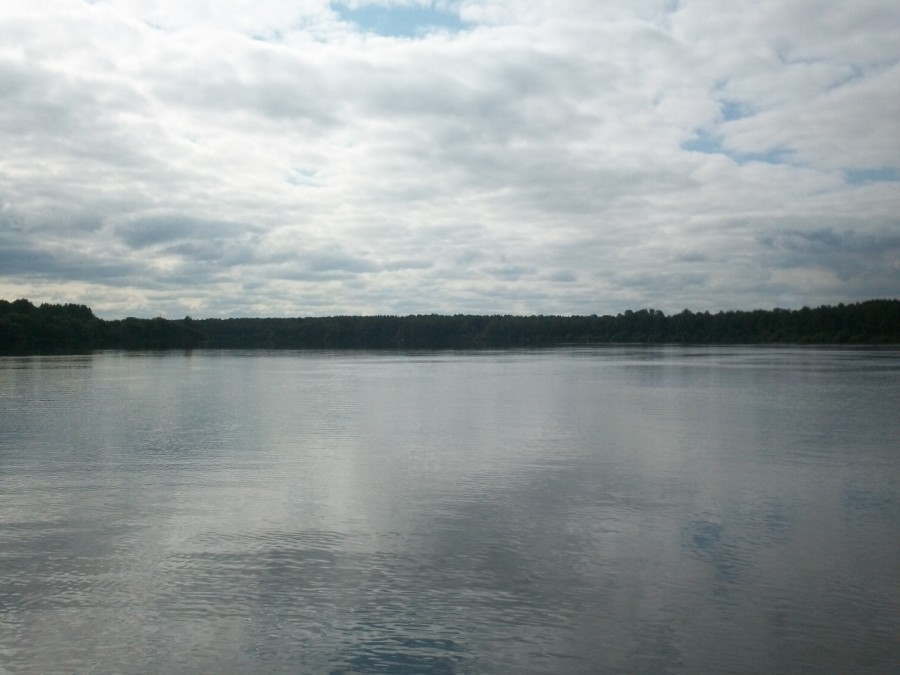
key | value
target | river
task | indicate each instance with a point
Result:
(613, 509)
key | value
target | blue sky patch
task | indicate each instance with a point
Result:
(400, 20)
(711, 144)
(703, 141)
(733, 111)
(882, 175)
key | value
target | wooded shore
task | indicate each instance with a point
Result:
(62, 328)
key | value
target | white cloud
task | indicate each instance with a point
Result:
(268, 157)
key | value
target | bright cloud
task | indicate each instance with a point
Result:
(487, 156)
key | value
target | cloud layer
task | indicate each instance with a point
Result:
(273, 158)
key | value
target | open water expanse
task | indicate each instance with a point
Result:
(615, 509)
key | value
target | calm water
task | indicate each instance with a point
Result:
(633, 510)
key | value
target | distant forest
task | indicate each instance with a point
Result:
(50, 328)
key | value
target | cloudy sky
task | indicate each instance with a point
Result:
(316, 157)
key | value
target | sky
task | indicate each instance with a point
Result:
(314, 158)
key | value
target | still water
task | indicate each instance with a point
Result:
(639, 510)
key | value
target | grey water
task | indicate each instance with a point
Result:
(616, 509)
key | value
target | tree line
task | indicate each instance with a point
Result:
(49, 328)
(26, 328)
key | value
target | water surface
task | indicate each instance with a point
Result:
(660, 509)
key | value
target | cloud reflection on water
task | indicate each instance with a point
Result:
(655, 510)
